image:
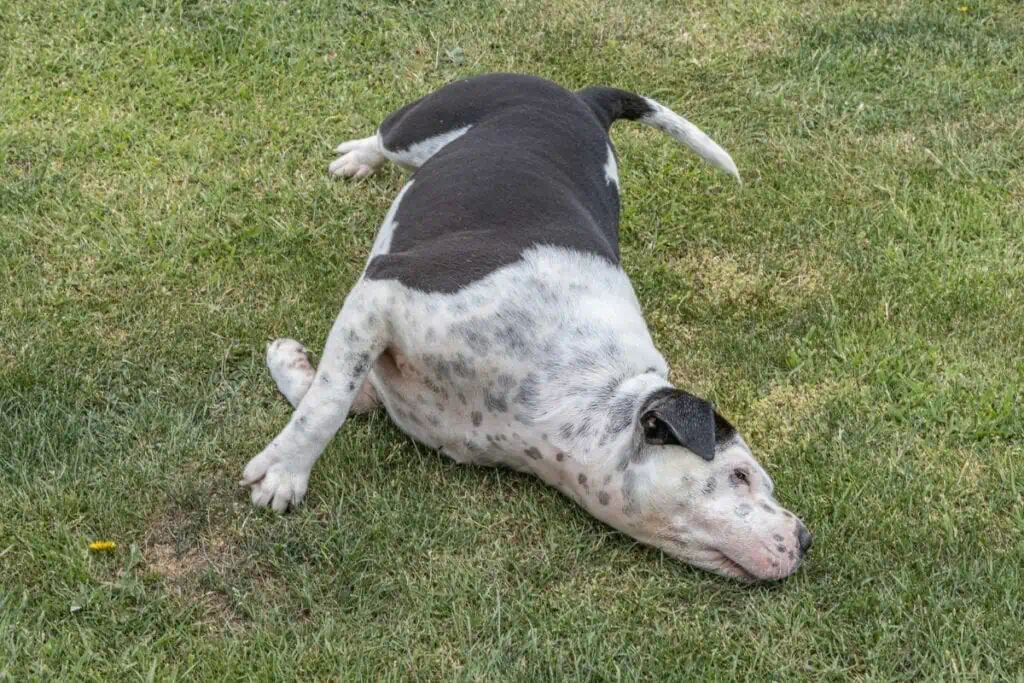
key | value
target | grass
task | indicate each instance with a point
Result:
(857, 309)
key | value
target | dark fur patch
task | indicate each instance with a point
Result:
(629, 507)
(527, 395)
(620, 414)
(462, 367)
(724, 431)
(523, 128)
(435, 388)
(439, 366)
(360, 362)
(673, 416)
(609, 104)
(494, 403)
(469, 331)
(513, 332)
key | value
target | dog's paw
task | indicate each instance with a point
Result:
(358, 158)
(273, 483)
(289, 365)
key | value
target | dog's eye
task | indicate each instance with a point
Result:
(741, 476)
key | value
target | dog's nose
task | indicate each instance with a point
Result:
(805, 538)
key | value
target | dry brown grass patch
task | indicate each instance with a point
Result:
(177, 565)
(183, 557)
(778, 417)
(725, 278)
(181, 571)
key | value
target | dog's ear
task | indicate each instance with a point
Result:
(673, 416)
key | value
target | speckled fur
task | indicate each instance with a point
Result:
(514, 357)
(542, 365)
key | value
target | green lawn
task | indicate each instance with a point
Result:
(857, 309)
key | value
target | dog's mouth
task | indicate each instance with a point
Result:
(722, 564)
(714, 560)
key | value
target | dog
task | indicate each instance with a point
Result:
(494, 323)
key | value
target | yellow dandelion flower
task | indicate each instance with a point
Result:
(102, 545)
(964, 8)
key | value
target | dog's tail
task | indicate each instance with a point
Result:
(612, 104)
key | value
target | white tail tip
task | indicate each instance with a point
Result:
(674, 125)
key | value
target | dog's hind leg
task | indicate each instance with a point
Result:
(279, 475)
(293, 373)
(420, 129)
(395, 141)
(357, 158)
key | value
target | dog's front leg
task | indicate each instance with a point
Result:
(279, 475)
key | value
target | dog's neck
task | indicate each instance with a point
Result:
(593, 431)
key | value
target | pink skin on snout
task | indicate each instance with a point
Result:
(719, 515)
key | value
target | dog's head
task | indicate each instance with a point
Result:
(690, 486)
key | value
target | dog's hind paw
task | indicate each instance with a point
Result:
(274, 484)
(289, 365)
(359, 158)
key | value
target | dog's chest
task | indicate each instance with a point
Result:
(470, 385)
(505, 371)
(486, 423)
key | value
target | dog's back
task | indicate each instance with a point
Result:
(529, 169)
(511, 161)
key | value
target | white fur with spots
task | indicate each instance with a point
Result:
(278, 475)
(542, 367)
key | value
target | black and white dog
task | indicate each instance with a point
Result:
(494, 323)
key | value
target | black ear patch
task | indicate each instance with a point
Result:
(724, 431)
(673, 416)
